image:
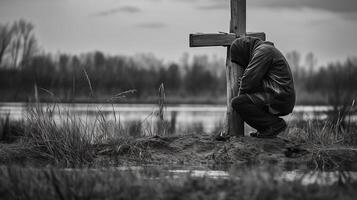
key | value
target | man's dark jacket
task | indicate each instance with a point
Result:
(267, 76)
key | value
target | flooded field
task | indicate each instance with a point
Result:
(206, 117)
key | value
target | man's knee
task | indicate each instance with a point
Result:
(239, 102)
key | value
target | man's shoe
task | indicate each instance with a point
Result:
(272, 131)
(254, 134)
(221, 136)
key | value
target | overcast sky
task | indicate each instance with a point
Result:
(328, 28)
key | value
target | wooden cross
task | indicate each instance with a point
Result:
(234, 124)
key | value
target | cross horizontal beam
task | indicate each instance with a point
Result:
(218, 39)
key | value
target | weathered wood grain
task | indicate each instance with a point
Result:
(234, 124)
(218, 39)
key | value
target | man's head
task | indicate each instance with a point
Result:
(242, 50)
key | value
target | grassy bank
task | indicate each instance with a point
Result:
(68, 141)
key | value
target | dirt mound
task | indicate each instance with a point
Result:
(199, 150)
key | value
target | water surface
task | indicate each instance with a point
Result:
(208, 117)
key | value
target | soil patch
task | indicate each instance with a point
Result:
(198, 150)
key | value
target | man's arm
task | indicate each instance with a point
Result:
(236, 85)
(255, 71)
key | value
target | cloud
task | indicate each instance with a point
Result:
(340, 6)
(152, 25)
(213, 5)
(350, 16)
(123, 9)
(216, 6)
(346, 8)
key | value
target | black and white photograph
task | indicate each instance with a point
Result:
(178, 99)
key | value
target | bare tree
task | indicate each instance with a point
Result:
(30, 49)
(29, 42)
(293, 59)
(15, 45)
(6, 35)
(310, 62)
(24, 44)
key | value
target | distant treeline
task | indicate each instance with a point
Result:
(26, 72)
(97, 76)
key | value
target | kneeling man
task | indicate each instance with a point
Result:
(266, 89)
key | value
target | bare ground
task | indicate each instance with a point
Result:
(202, 150)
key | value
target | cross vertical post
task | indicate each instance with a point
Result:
(234, 124)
